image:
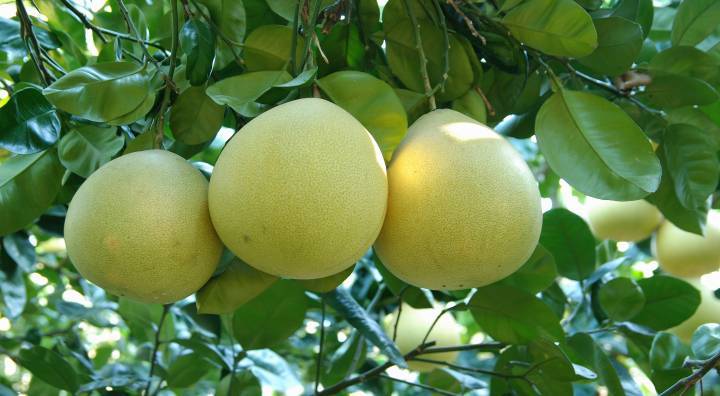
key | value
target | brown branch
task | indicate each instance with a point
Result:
(423, 60)
(688, 382)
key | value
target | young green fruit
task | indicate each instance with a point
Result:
(139, 227)
(707, 312)
(463, 209)
(300, 191)
(685, 254)
(629, 221)
(412, 328)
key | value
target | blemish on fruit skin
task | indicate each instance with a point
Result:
(111, 242)
(246, 238)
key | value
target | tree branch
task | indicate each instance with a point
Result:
(169, 85)
(83, 19)
(153, 357)
(133, 29)
(318, 366)
(687, 382)
(419, 385)
(31, 42)
(423, 60)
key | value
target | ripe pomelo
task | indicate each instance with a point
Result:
(412, 328)
(629, 221)
(300, 191)
(139, 227)
(463, 208)
(707, 312)
(685, 254)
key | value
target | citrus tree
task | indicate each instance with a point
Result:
(241, 197)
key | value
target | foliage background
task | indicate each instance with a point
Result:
(577, 86)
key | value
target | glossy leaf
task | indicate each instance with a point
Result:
(328, 283)
(346, 306)
(556, 27)
(13, 290)
(520, 318)
(22, 198)
(667, 352)
(20, 250)
(619, 43)
(537, 274)
(284, 8)
(472, 105)
(692, 162)
(621, 298)
(672, 91)
(186, 370)
(100, 92)
(86, 148)
(686, 61)
(268, 48)
(50, 367)
(584, 350)
(271, 317)
(229, 16)
(596, 147)
(236, 286)
(568, 238)
(698, 118)
(695, 20)
(411, 295)
(242, 91)
(195, 118)
(273, 371)
(706, 341)
(198, 43)
(373, 102)
(640, 11)
(28, 122)
(668, 302)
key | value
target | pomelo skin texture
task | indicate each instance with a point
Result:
(139, 227)
(684, 254)
(463, 208)
(414, 324)
(300, 191)
(629, 221)
(708, 312)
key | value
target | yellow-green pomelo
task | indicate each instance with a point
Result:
(300, 191)
(707, 312)
(139, 227)
(412, 327)
(629, 221)
(463, 208)
(685, 254)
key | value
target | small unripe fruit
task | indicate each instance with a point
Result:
(463, 209)
(629, 221)
(412, 328)
(685, 254)
(707, 312)
(300, 191)
(139, 227)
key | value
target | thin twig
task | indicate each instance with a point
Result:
(488, 105)
(83, 19)
(31, 42)
(486, 346)
(318, 366)
(310, 28)
(133, 29)
(421, 53)
(467, 369)
(688, 382)
(468, 22)
(419, 385)
(153, 356)
(397, 320)
(230, 44)
(169, 85)
(294, 39)
(446, 43)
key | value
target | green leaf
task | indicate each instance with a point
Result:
(28, 122)
(621, 298)
(619, 43)
(667, 352)
(585, 351)
(373, 102)
(411, 295)
(569, 239)
(268, 48)
(555, 27)
(341, 360)
(244, 383)
(692, 162)
(520, 318)
(142, 319)
(284, 8)
(186, 370)
(554, 363)
(672, 91)
(22, 198)
(472, 105)
(198, 44)
(13, 290)
(49, 367)
(698, 118)
(273, 371)
(328, 283)
(137, 114)
(86, 148)
(706, 341)
(640, 11)
(342, 302)
(344, 48)
(537, 274)
(236, 286)
(241, 91)
(229, 16)
(195, 118)
(695, 20)
(20, 249)
(271, 317)
(596, 147)
(668, 302)
(101, 92)
(686, 61)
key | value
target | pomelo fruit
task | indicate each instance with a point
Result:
(685, 254)
(707, 312)
(629, 221)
